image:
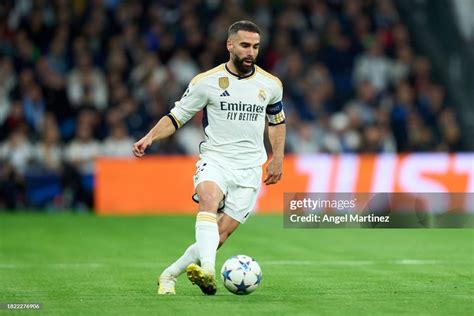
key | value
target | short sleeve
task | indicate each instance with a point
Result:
(275, 113)
(193, 100)
(277, 93)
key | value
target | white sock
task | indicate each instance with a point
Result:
(191, 255)
(207, 239)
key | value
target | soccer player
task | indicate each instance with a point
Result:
(235, 97)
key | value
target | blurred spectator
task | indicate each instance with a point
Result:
(117, 64)
(83, 149)
(135, 117)
(36, 27)
(421, 74)
(338, 56)
(12, 187)
(183, 67)
(14, 120)
(400, 35)
(450, 131)
(365, 103)
(57, 55)
(17, 151)
(319, 15)
(401, 67)
(7, 83)
(25, 52)
(420, 136)
(376, 139)
(79, 155)
(385, 15)
(401, 110)
(305, 139)
(373, 66)
(342, 138)
(48, 152)
(89, 117)
(119, 143)
(86, 84)
(54, 90)
(34, 107)
(149, 71)
(16, 154)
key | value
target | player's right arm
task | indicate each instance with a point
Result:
(164, 128)
(192, 101)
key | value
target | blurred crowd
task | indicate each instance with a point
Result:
(81, 79)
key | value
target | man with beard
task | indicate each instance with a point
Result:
(236, 97)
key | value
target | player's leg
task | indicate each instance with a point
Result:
(206, 174)
(167, 280)
(227, 225)
(207, 237)
(240, 201)
(196, 274)
(207, 231)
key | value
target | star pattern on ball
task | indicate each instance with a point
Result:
(245, 265)
(259, 278)
(241, 288)
(226, 274)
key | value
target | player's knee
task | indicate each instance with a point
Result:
(209, 200)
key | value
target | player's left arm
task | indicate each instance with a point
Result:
(277, 135)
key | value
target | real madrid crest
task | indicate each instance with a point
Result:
(262, 95)
(223, 82)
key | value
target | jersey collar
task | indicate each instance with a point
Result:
(240, 77)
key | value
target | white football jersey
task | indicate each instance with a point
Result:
(234, 114)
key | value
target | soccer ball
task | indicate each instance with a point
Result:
(241, 275)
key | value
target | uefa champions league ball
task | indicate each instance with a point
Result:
(241, 275)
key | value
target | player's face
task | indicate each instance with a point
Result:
(243, 48)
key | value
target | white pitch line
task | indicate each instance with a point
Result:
(302, 262)
(8, 266)
(52, 265)
(354, 262)
(288, 262)
(78, 265)
(415, 261)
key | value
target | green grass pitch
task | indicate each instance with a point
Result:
(89, 265)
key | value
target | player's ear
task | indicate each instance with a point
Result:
(230, 45)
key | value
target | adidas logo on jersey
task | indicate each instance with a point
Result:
(225, 94)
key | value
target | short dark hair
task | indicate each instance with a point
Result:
(243, 26)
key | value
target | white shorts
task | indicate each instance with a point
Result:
(240, 187)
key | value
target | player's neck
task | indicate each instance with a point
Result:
(230, 66)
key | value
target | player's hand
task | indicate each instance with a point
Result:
(274, 171)
(140, 146)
